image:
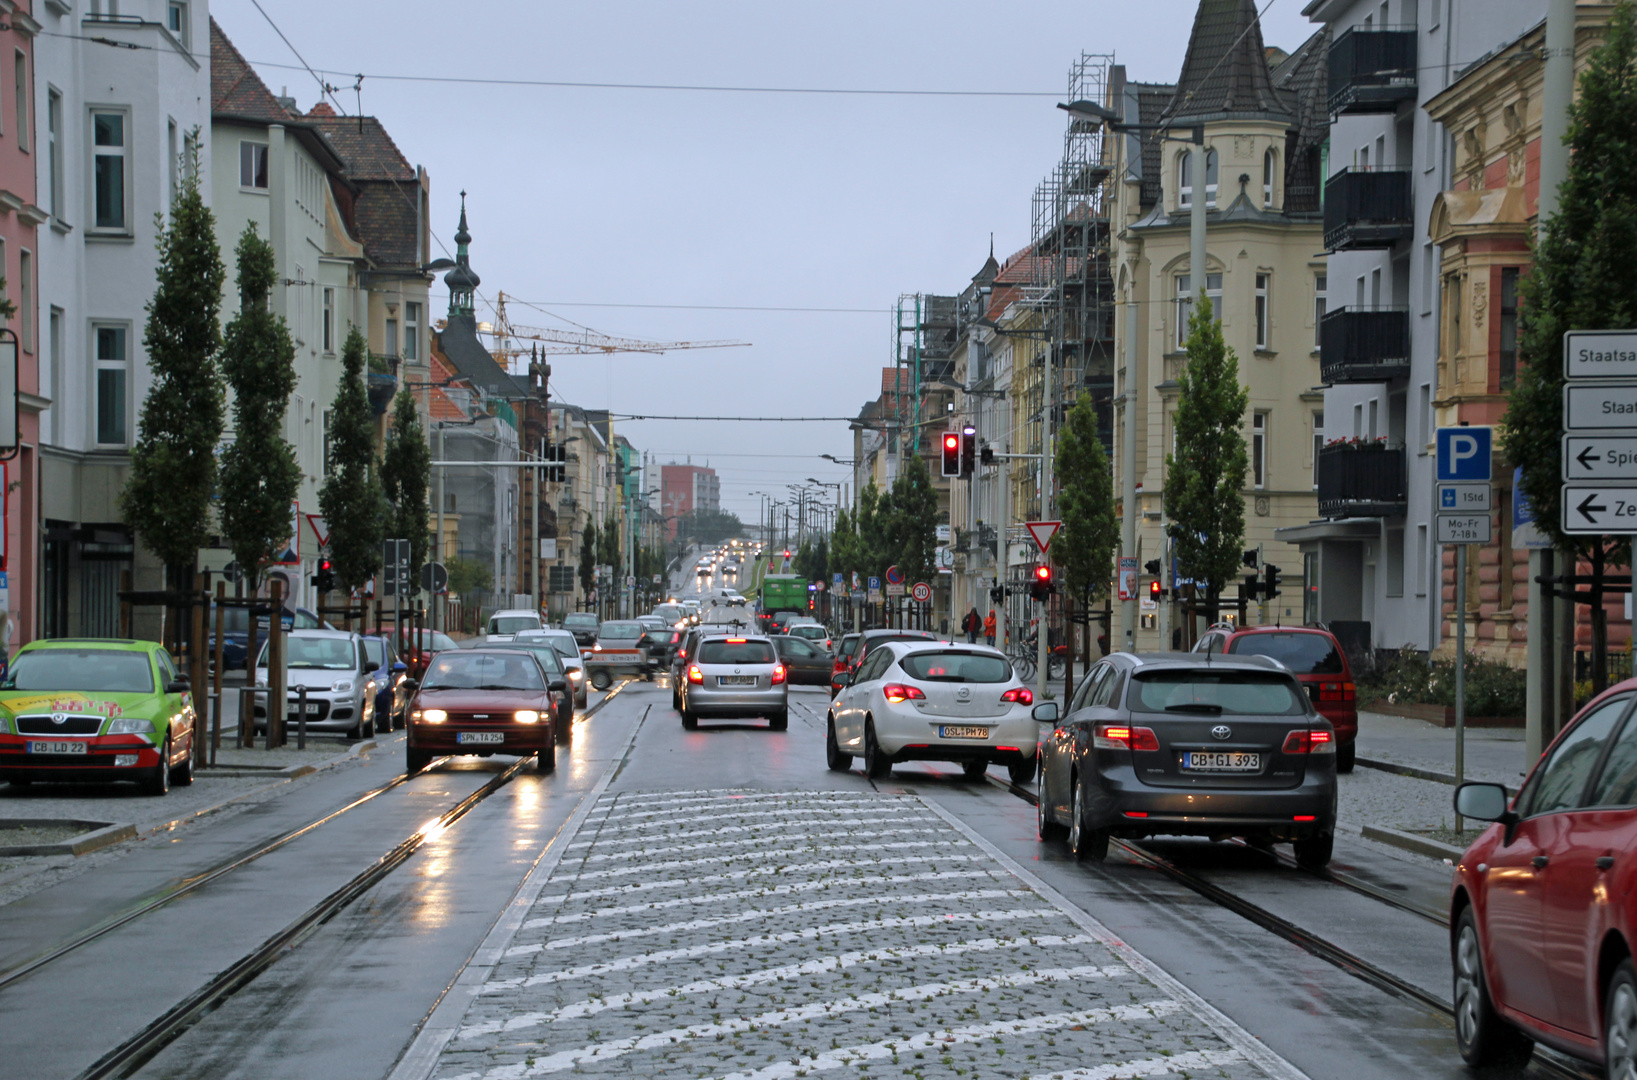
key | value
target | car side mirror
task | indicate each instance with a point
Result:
(399, 665)
(177, 685)
(413, 684)
(1046, 712)
(1483, 802)
(559, 684)
(371, 665)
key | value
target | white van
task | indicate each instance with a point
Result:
(504, 625)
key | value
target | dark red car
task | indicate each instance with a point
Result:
(1543, 910)
(855, 647)
(1316, 658)
(483, 701)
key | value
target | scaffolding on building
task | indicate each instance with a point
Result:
(926, 329)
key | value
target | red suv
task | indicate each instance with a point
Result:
(855, 647)
(1316, 658)
(1543, 910)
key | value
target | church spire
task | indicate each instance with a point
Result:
(462, 281)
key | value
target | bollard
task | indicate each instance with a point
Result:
(301, 718)
(215, 726)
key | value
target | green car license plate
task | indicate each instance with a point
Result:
(962, 731)
(1221, 761)
(57, 747)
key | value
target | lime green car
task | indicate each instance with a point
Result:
(92, 709)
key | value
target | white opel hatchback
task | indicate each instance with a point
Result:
(933, 701)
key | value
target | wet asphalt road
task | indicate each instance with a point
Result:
(350, 999)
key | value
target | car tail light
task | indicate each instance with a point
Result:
(1310, 742)
(695, 675)
(1022, 695)
(1136, 813)
(1123, 737)
(895, 693)
(736, 641)
(1337, 691)
(778, 674)
(1305, 817)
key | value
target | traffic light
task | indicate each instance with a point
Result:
(969, 450)
(324, 580)
(1270, 580)
(1154, 590)
(1041, 587)
(1152, 566)
(987, 454)
(1251, 587)
(952, 453)
(1250, 558)
(997, 595)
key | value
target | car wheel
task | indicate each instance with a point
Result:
(1044, 826)
(159, 781)
(545, 760)
(1480, 1034)
(1086, 843)
(676, 701)
(876, 764)
(974, 770)
(690, 722)
(1345, 757)
(601, 680)
(833, 756)
(183, 776)
(1021, 771)
(779, 721)
(416, 760)
(1620, 1024)
(1314, 852)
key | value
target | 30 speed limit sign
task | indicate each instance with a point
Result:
(922, 592)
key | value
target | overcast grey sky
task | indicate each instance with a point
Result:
(653, 197)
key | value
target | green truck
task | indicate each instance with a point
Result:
(783, 592)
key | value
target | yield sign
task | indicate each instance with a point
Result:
(1043, 531)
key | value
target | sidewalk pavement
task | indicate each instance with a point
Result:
(1492, 754)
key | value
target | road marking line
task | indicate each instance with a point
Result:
(856, 834)
(781, 868)
(762, 856)
(1234, 1035)
(669, 819)
(777, 890)
(770, 828)
(1191, 1061)
(599, 1052)
(627, 963)
(766, 913)
(729, 796)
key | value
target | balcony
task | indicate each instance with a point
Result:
(1367, 208)
(1362, 481)
(1364, 345)
(1372, 70)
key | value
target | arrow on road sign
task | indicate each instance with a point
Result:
(1595, 509)
(1599, 456)
(1043, 531)
(1590, 508)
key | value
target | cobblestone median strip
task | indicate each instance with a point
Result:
(782, 951)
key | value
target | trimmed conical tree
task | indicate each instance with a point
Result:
(259, 474)
(1583, 278)
(354, 507)
(1205, 475)
(1084, 547)
(406, 477)
(173, 474)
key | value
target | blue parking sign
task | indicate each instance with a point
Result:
(1464, 453)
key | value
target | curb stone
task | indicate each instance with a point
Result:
(1408, 841)
(100, 836)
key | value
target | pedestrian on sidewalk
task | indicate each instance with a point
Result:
(989, 629)
(971, 624)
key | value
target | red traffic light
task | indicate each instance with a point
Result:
(952, 441)
(1154, 589)
(1043, 574)
(324, 564)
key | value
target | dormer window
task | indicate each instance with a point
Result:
(1269, 162)
(1185, 179)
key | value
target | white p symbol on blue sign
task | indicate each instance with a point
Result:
(1464, 453)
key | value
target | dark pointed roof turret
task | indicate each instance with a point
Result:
(1225, 73)
(462, 280)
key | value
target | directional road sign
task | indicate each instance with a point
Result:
(1589, 405)
(1464, 453)
(1465, 498)
(1596, 509)
(1464, 528)
(1600, 457)
(1599, 354)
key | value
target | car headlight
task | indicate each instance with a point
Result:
(130, 725)
(526, 716)
(341, 686)
(576, 674)
(431, 716)
(5, 725)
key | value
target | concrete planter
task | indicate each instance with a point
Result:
(1441, 715)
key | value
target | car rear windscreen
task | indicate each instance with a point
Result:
(579, 618)
(956, 667)
(1305, 654)
(620, 630)
(736, 652)
(1225, 693)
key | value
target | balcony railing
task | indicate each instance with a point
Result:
(1364, 345)
(1362, 481)
(1372, 70)
(1367, 208)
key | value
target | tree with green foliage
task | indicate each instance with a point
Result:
(1583, 278)
(588, 558)
(708, 526)
(1205, 474)
(912, 525)
(406, 478)
(1084, 547)
(608, 542)
(874, 510)
(259, 473)
(173, 476)
(469, 577)
(351, 499)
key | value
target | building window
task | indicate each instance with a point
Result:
(176, 20)
(1185, 178)
(171, 157)
(1321, 303)
(1269, 159)
(327, 331)
(25, 300)
(1509, 327)
(1259, 450)
(1318, 444)
(109, 168)
(326, 436)
(54, 378)
(20, 77)
(1262, 310)
(1454, 314)
(190, 155)
(253, 165)
(412, 330)
(1185, 302)
(391, 338)
(54, 151)
(1395, 562)
(111, 371)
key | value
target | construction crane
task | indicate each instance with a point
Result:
(552, 341)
